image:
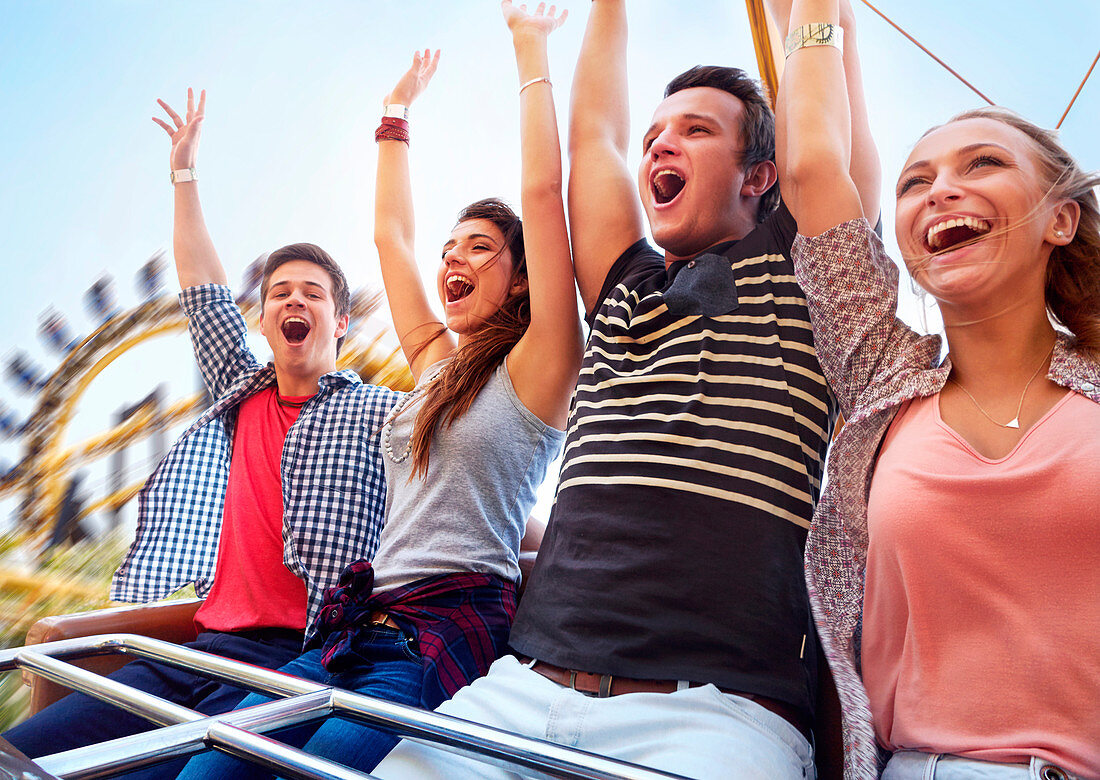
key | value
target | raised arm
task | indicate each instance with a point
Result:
(863, 166)
(423, 338)
(851, 286)
(545, 362)
(827, 160)
(196, 259)
(605, 215)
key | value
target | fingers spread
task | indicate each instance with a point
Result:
(175, 117)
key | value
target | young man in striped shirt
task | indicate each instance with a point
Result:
(666, 622)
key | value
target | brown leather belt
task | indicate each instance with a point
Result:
(383, 619)
(604, 685)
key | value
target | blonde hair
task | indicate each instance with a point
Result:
(1073, 271)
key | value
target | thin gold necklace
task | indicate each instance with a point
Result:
(1015, 421)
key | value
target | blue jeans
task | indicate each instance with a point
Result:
(913, 765)
(78, 719)
(391, 670)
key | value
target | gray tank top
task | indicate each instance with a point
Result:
(469, 511)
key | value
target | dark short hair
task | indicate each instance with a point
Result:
(310, 253)
(757, 124)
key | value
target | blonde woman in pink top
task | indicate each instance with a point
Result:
(952, 565)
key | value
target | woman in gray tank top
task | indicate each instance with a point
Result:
(466, 450)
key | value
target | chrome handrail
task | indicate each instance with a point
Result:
(185, 732)
(146, 748)
(145, 705)
(277, 757)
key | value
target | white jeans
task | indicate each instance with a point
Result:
(697, 732)
(913, 765)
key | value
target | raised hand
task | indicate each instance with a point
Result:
(542, 21)
(416, 78)
(184, 135)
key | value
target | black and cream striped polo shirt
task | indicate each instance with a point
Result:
(693, 459)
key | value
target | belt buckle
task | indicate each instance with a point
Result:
(382, 619)
(602, 692)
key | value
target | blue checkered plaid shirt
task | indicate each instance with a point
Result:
(334, 491)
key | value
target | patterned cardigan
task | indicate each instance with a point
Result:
(874, 363)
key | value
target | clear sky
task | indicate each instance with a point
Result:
(294, 95)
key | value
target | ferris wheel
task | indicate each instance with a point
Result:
(47, 476)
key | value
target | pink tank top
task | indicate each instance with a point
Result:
(252, 587)
(981, 622)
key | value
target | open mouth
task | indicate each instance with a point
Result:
(295, 329)
(951, 233)
(667, 184)
(457, 287)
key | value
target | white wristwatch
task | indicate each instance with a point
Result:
(816, 34)
(184, 174)
(396, 111)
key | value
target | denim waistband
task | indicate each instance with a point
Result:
(913, 765)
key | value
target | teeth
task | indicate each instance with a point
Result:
(667, 184)
(458, 285)
(295, 329)
(973, 223)
(659, 178)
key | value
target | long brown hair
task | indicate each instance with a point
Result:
(1073, 271)
(451, 393)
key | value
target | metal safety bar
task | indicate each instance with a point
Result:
(146, 748)
(184, 732)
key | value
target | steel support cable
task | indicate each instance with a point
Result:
(1078, 92)
(921, 46)
(976, 91)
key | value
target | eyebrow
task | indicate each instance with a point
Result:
(959, 153)
(693, 117)
(286, 283)
(470, 237)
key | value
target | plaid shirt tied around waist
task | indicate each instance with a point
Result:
(460, 621)
(334, 491)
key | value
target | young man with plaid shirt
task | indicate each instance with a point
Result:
(276, 487)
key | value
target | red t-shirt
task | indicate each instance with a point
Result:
(252, 587)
